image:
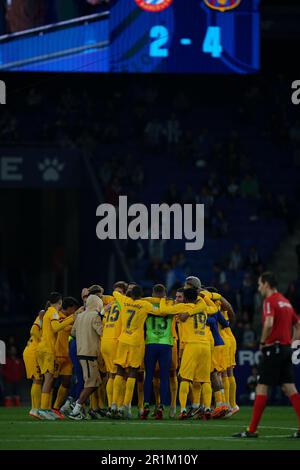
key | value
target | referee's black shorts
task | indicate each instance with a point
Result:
(276, 366)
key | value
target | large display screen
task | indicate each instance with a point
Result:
(136, 36)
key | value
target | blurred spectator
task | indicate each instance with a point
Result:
(268, 205)
(230, 294)
(294, 133)
(253, 260)
(113, 191)
(153, 133)
(219, 225)
(247, 291)
(34, 99)
(155, 271)
(249, 337)
(285, 212)
(175, 273)
(156, 248)
(172, 130)
(13, 372)
(250, 186)
(238, 331)
(252, 381)
(235, 259)
(189, 195)
(219, 276)
(233, 187)
(293, 294)
(214, 185)
(172, 195)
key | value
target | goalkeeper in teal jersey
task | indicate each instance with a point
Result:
(159, 344)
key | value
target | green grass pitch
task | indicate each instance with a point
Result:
(19, 431)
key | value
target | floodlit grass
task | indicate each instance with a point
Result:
(19, 431)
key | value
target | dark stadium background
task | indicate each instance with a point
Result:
(231, 127)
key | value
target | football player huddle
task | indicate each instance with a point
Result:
(85, 361)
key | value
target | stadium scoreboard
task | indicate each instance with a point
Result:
(144, 36)
(185, 36)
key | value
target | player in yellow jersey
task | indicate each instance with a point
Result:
(33, 371)
(63, 361)
(195, 363)
(131, 345)
(109, 341)
(223, 360)
(46, 351)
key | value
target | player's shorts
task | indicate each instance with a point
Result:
(129, 355)
(276, 366)
(180, 352)
(64, 366)
(47, 363)
(220, 358)
(91, 374)
(196, 362)
(32, 367)
(108, 351)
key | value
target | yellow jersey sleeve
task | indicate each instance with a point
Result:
(59, 324)
(107, 299)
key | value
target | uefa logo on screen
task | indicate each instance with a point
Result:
(154, 6)
(222, 5)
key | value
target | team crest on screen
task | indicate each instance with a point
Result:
(154, 5)
(222, 5)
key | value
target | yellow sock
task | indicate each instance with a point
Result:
(156, 390)
(226, 388)
(218, 398)
(206, 394)
(61, 395)
(109, 390)
(140, 389)
(45, 401)
(183, 394)
(223, 395)
(232, 391)
(36, 391)
(173, 390)
(196, 391)
(118, 390)
(130, 384)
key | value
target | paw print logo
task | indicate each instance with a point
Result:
(51, 169)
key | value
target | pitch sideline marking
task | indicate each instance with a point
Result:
(137, 438)
(150, 423)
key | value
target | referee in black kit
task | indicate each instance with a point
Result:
(279, 320)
